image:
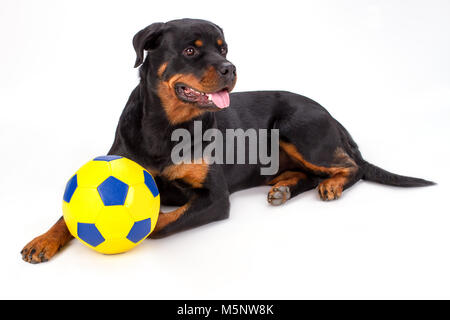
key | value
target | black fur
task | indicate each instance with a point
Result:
(376, 174)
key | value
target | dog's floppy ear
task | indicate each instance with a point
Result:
(146, 39)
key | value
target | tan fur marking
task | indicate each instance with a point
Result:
(161, 69)
(340, 174)
(166, 218)
(219, 42)
(288, 178)
(292, 151)
(153, 172)
(198, 43)
(178, 111)
(331, 189)
(194, 174)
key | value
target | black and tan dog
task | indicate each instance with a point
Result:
(185, 77)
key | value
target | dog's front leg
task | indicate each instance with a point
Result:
(42, 248)
(207, 204)
(198, 211)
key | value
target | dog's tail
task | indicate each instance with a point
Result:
(376, 174)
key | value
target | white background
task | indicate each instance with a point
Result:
(382, 68)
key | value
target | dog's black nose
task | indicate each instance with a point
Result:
(228, 70)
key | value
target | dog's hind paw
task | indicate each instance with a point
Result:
(278, 195)
(329, 190)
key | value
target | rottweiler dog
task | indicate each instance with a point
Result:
(185, 77)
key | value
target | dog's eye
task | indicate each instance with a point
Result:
(223, 51)
(190, 52)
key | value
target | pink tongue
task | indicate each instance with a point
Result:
(221, 99)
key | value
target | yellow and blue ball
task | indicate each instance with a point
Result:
(111, 204)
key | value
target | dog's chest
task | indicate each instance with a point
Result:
(193, 174)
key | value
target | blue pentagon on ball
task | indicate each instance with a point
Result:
(107, 158)
(89, 233)
(71, 186)
(113, 192)
(150, 183)
(140, 230)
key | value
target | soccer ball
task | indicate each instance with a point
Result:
(111, 204)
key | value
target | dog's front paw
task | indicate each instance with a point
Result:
(278, 195)
(40, 249)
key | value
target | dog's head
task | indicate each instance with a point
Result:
(186, 65)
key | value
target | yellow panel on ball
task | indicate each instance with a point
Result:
(93, 173)
(85, 205)
(127, 171)
(70, 220)
(155, 212)
(114, 222)
(141, 203)
(115, 246)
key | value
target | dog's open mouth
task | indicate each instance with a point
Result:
(220, 99)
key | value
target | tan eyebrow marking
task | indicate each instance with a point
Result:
(198, 43)
(219, 42)
(161, 69)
